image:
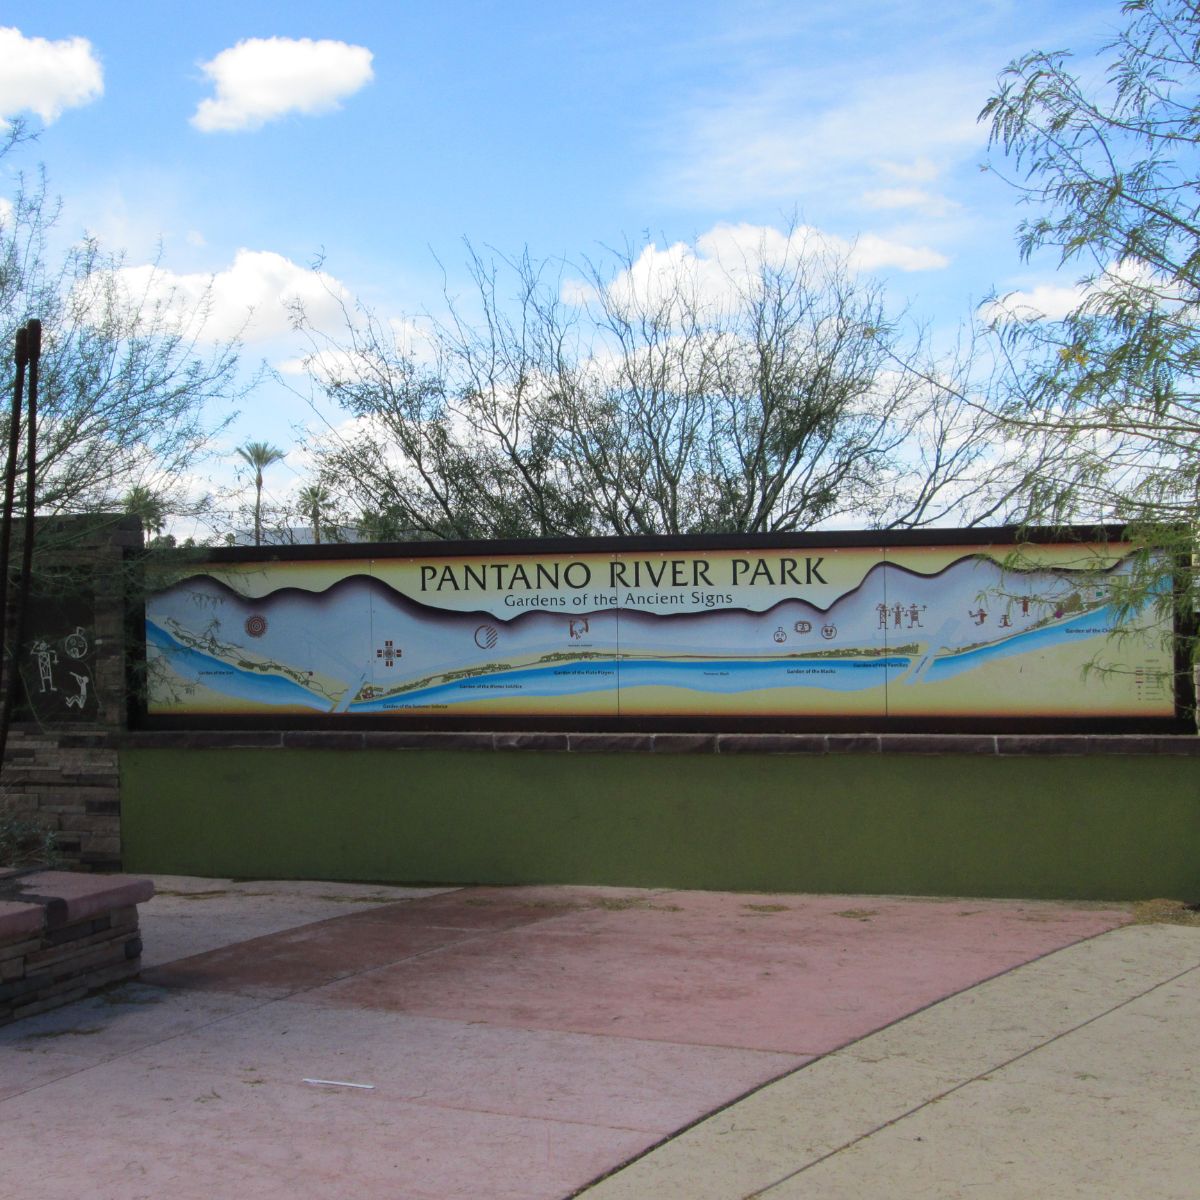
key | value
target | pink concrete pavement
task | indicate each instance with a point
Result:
(519, 1042)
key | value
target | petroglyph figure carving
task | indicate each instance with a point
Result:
(81, 699)
(76, 644)
(46, 658)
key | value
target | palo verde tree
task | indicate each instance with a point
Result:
(760, 385)
(1107, 396)
(132, 387)
(129, 379)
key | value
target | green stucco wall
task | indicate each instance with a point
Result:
(1098, 827)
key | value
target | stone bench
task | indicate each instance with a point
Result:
(65, 935)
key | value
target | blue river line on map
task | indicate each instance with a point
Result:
(215, 673)
(556, 679)
(715, 675)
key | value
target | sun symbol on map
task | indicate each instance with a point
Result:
(256, 625)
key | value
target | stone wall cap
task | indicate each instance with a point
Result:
(808, 742)
(67, 896)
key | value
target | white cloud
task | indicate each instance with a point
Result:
(928, 204)
(6, 210)
(823, 135)
(576, 291)
(410, 339)
(1054, 301)
(917, 170)
(45, 77)
(250, 299)
(330, 363)
(873, 253)
(726, 258)
(263, 79)
(1047, 300)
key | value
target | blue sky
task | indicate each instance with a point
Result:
(377, 137)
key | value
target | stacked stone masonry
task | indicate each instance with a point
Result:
(64, 936)
(69, 784)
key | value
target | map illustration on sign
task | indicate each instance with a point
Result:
(863, 632)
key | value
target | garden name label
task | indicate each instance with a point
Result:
(620, 582)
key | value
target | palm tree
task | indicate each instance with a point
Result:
(259, 455)
(312, 500)
(144, 502)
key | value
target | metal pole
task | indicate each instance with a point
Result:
(33, 345)
(21, 355)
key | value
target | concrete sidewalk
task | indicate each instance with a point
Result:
(1075, 1076)
(523, 1042)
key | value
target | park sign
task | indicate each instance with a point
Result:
(943, 629)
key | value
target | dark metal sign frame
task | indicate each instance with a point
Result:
(1002, 538)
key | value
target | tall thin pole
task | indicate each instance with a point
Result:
(21, 355)
(33, 346)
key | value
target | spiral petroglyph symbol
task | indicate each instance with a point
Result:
(256, 625)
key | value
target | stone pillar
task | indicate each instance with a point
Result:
(60, 769)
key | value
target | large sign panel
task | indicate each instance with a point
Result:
(872, 633)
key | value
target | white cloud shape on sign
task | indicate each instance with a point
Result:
(251, 299)
(263, 79)
(45, 77)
